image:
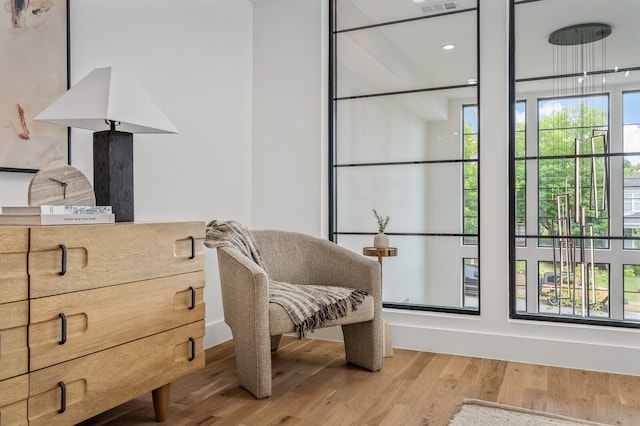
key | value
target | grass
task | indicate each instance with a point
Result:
(632, 288)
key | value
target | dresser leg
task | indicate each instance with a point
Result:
(161, 401)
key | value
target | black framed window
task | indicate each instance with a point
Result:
(574, 162)
(470, 178)
(405, 141)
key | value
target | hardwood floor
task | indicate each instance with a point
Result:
(313, 385)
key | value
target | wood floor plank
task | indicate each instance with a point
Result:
(314, 385)
(524, 385)
(446, 395)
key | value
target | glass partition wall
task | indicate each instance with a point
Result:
(404, 141)
(575, 161)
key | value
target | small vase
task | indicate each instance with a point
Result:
(381, 241)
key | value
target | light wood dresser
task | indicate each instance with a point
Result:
(92, 316)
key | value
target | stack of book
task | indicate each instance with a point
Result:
(56, 215)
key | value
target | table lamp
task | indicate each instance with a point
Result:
(110, 102)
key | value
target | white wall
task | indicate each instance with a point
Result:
(289, 111)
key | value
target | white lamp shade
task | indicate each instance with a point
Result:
(107, 94)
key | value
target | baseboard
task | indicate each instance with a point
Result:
(533, 350)
(215, 333)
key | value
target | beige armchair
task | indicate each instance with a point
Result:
(258, 325)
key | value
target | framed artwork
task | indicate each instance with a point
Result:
(34, 48)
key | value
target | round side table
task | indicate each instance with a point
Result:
(380, 253)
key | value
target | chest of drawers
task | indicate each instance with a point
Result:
(14, 319)
(112, 311)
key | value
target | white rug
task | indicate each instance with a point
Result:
(480, 413)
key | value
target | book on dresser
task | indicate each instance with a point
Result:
(56, 215)
(56, 219)
(36, 210)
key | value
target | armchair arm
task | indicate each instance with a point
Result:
(245, 300)
(245, 290)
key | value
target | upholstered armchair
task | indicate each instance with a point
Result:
(258, 325)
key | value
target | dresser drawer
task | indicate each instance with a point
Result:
(101, 318)
(63, 259)
(13, 400)
(14, 354)
(14, 282)
(97, 382)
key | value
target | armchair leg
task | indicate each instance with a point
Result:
(253, 361)
(275, 342)
(363, 344)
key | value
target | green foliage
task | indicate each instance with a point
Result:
(631, 287)
(558, 134)
(470, 170)
(630, 169)
(632, 271)
(382, 222)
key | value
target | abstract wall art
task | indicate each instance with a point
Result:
(33, 73)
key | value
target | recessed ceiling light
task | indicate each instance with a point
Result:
(449, 46)
(419, 1)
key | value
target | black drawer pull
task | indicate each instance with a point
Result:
(193, 248)
(64, 260)
(63, 340)
(193, 349)
(63, 397)
(193, 298)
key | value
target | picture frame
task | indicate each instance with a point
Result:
(34, 37)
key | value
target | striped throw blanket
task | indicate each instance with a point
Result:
(309, 306)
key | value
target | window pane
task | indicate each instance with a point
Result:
(521, 285)
(470, 177)
(631, 116)
(470, 281)
(520, 191)
(428, 271)
(561, 290)
(562, 121)
(573, 127)
(405, 141)
(521, 127)
(470, 202)
(574, 159)
(386, 58)
(632, 292)
(417, 197)
(408, 127)
(631, 170)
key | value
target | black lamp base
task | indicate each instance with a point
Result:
(113, 172)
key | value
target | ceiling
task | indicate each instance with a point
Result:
(357, 13)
